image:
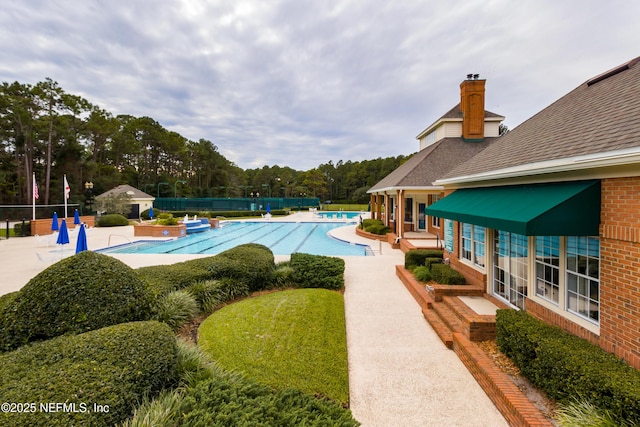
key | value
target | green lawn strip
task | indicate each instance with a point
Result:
(289, 339)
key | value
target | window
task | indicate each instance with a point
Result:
(510, 267)
(408, 210)
(472, 244)
(548, 268)
(435, 221)
(583, 277)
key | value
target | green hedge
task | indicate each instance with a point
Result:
(251, 263)
(6, 299)
(317, 271)
(162, 279)
(565, 366)
(445, 275)
(375, 226)
(80, 293)
(231, 214)
(229, 401)
(416, 257)
(116, 367)
(112, 220)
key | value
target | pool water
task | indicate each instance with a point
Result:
(283, 238)
(339, 214)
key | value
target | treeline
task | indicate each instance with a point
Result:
(49, 132)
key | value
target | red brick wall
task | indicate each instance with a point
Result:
(620, 268)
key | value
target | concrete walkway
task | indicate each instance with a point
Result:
(400, 373)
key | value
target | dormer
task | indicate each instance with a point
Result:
(467, 120)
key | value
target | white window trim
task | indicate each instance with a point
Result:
(469, 262)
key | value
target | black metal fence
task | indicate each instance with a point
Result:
(234, 204)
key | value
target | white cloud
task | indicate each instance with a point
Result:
(301, 83)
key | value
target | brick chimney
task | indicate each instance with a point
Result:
(472, 107)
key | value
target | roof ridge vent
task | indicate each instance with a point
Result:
(613, 72)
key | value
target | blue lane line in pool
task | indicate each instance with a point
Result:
(306, 237)
(196, 241)
(229, 240)
(283, 237)
(193, 241)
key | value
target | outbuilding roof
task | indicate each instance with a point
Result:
(128, 189)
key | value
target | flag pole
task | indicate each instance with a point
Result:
(33, 196)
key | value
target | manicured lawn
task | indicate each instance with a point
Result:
(288, 339)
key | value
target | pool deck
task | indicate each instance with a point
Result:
(400, 372)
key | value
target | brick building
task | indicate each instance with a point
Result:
(547, 217)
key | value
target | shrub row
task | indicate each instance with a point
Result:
(228, 214)
(375, 226)
(115, 367)
(212, 396)
(418, 257)
(317, 271)
(80, 293)
(250, 265)
(427, 264)
(444, 274)
(565, 366)
(112, 220)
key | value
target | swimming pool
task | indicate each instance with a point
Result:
(341, 214)
(283, 238)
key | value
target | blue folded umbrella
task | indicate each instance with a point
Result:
(76, 218)
(54, 222)
(81, 245)
(63, 235)
(151, 212)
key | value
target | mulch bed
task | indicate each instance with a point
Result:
(544, 404)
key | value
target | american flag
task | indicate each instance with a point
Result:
(36, 195)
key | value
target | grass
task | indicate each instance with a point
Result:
(289, 339)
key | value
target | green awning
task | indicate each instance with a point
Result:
(554, 209)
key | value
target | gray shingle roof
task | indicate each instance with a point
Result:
(600, 115)
(124, 188)
(431, 163)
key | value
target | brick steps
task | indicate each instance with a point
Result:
(458, 326)
(442, 329)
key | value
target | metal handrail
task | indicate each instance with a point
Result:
(119, 235)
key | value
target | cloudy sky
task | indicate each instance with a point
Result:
(300, 82)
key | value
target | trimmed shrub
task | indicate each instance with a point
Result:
(445, 275)
(318, 271)
(416, 257)
(112, 220)
(6, 299)
(375, 226)
(115, 366)
(81, 293)
(565, 366)
(162, 279)
(17, 229)
(250, 263)
(428, 262)
(422, 273)
(176, 308)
